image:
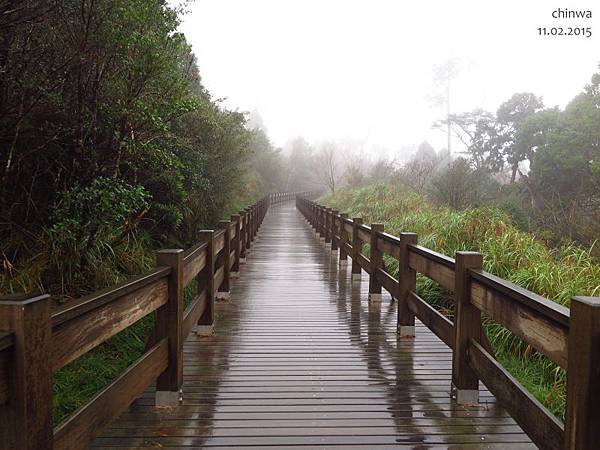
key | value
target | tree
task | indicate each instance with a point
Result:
(493, 141)
(443, 74)
(417, 172)
(511, 114)
(565, 167)
(533, 135)
(475, 130)
(326, 166)
(460, 186)
(382, 171)
(354, 174)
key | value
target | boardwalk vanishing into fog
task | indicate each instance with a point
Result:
(301, 358)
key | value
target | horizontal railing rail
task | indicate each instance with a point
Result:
(36, 341)
(568, 337)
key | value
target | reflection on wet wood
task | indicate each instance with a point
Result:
(301, 358)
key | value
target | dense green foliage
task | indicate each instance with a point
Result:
(554, 155)
(110, 145)
(556, 273)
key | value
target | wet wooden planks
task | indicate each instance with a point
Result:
(300, 358)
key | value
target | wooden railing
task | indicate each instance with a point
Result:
(568, 337)
(35, 341)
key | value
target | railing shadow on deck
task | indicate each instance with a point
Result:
(398, 376)
(36, 341)
(568, 337)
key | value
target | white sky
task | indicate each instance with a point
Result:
(362, 70)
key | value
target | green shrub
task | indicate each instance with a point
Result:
(89, 223)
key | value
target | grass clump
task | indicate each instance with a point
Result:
(78, 382)
(517, 256)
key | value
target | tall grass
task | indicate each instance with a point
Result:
(80, 380)
(556, 273)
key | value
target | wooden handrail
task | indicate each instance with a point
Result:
(571, 341)
(34, 342)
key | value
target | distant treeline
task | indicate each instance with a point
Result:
(541, 165)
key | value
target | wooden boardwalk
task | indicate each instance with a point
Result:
(301, 358)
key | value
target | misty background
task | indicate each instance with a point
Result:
(363, 73)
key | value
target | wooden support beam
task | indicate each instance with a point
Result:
(250, 226)
(356, 249)
(407, 278)
(224, 288)
(467, 325)
(235, 269)
(169, 324)
(344, 238)
(247, 233)
(328, 225)
(26, 420)
(582, 424)
(376, 258)
(334, 230)
(322, 222)
(243, 225)
(206, 281)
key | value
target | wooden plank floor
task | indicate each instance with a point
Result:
(300, 358)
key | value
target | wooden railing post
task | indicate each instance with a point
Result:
(248, 229)
(356, 249)
(407, 279)
(467, 325)
(245, 243)
(206, 280)
(329, 231)
(254, 222)
(328, 225)
(243, 228)
(169, 324)
(376, 263)
(334, 229)
(258, 219)
(27, 415)
(321, 222)
(223, 290)
(235, 269)
(343, 240)
(254, 209)
(582, 421)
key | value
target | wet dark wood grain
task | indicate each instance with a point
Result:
(301, 358)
